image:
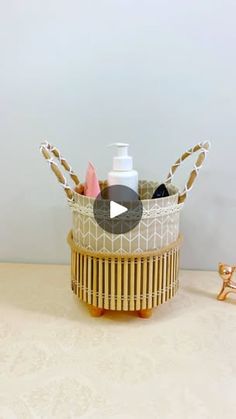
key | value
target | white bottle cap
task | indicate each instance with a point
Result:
(122, 162)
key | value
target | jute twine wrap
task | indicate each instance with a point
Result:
(48, 151)
(203, 148)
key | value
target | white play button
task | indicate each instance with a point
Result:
(116, 209)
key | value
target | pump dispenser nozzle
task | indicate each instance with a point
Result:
(122, 161)
(122, 172)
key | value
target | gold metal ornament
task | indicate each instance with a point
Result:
(226, 273)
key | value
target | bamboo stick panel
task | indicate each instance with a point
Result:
(155, 298)
(168, 272)
(169, 275)
(80, 276)
(177, 269)
(95, 282)
(100, 283)
(119, 283)
(164, 279)
(173, 275)
(132, 303)
(85, 278)
(150, 282)
(138, 285)
(113, 302)
(89, 280)
(77, 259)
(72, 272)
(125, 292)
(144, 283)
(106, 299)
(160, 280)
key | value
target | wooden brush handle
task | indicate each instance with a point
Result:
(202, 148)
(50, 152)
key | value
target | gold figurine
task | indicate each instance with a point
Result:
(226, 272)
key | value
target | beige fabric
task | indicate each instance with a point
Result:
(158, 228)
(57, 362)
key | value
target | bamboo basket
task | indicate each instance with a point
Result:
(135, 271)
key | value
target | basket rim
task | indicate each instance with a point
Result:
(134, 255)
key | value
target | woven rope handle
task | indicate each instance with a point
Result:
(50, 152)
(203, 149)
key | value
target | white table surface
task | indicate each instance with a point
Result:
(58, 362)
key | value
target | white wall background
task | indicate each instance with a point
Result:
(81, 74)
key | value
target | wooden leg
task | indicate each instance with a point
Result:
(145, 314)
(96, 311)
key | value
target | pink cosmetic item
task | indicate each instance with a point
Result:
(91, 186)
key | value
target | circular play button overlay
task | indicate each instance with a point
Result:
(117, 209)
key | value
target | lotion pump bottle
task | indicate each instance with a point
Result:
(122, 172)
